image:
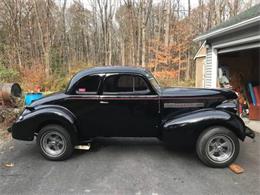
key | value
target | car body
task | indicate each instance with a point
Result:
(128, 102)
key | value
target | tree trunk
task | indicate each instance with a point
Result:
(64, 36)
(139, 35)
(44, 44)
(143, 38)
(188, 66)
(167, 25)
(122, 52)
(179, 65)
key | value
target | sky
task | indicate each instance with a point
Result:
(194, 3)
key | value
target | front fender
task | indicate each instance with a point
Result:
(30, 122)
(189, 125)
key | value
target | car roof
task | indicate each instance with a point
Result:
(112, 69)
(105, 70)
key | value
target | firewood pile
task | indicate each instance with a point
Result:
(10, 99)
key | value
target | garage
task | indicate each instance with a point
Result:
(242, 70)
(232, 59)
(242, 67)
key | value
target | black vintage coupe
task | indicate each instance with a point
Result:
(128, 102)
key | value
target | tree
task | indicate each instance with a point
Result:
(59, 36)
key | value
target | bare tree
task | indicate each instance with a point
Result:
(58, 35)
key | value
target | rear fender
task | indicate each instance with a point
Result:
(186, 127)
(30, 124)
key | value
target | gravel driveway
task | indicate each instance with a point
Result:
(125, 166)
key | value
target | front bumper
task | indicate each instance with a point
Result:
(9, 129)
(21, 131)
(249, 133)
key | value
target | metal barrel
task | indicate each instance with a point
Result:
(9, 92)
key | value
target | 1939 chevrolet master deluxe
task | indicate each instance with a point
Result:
(128, 102)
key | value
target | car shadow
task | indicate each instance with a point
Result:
(100, 143)
(131, 145)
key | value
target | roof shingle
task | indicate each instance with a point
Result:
(246, 15)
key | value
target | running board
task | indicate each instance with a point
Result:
(83, 147)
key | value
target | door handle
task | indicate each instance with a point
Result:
(103, 102)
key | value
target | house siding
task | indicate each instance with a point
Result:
(208, 68)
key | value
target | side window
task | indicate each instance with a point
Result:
(140, 85)
(125, 84)
(118, 84)
(88, 85)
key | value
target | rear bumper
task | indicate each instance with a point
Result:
(249, 133)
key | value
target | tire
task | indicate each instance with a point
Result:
(217, 147)
(54, 143)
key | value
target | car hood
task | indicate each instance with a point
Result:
(49, 99)
(198, 92)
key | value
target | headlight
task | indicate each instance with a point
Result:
(230, 105)
(20, 118)
(25, 112)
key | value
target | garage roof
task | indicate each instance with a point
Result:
(249, 16)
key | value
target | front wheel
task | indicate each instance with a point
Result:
(55, 143)
(217, 147)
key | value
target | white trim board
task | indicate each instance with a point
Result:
(196, 55)
(214, 76)
(237, 42)
(239, 48)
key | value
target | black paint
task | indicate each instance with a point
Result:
(132, 115)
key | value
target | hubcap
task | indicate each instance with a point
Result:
(53, 144)
(220, 148)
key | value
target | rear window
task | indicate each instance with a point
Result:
(119, 83)
(139, 84)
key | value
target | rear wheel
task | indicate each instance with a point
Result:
(217, 147)
(55, 142)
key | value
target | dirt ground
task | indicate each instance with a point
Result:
(4, 135)
(8, 116)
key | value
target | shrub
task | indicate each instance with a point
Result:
(166, 78)
(56, 82)
(170, 79)
(8, 75)
(33, 77)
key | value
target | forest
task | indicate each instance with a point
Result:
(44, 42)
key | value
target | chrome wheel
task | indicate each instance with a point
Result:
(220, 148)
(53, 144)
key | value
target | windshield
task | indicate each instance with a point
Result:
(154, 82)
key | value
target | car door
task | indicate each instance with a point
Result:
(128, 106)
(83, 102)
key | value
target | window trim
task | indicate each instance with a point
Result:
(86, 93)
